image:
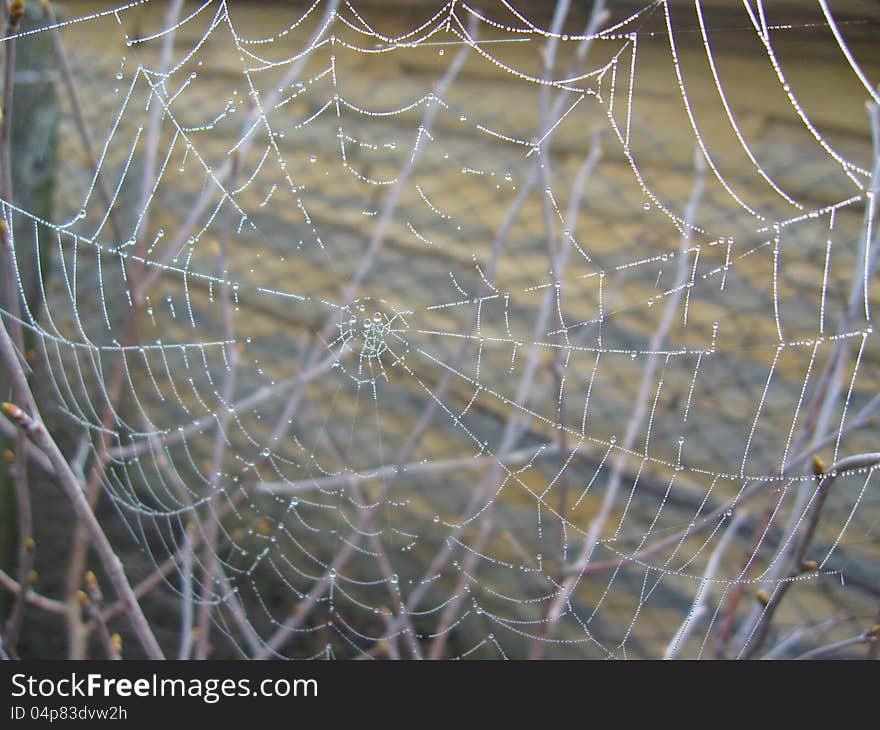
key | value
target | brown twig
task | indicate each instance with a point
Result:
(828, 392)
(30, 422)
(284, 631)
(698, 608)
(37, 600)
(77, 631)
(24, 520)
(92, 598)
(640, 406)
(866, 637)
(874, 646)
(211, 522)
(761, 630)
(515, 425)
(79, 118)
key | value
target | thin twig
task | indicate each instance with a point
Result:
(698, 608)
(640, 404)
(24, 520)
(79, 117)
(515, 425)
(797, 636)
(820, 651)
(221, 177)
(828, 392)
(80, 541)
(92, 598)
(31, 423)
(211, 560)
(284, 631)
(32, 597)
(761, 630)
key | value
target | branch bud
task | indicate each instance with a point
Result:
(19, 417)
(16, 13)
(91, 580)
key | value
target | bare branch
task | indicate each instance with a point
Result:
(31, 423)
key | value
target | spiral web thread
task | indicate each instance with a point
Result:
(465, 330)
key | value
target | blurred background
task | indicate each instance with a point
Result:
(477, 330)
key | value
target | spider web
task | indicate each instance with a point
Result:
(471, 330)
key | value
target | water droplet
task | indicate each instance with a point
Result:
(313, 159)
(647, 206)
(119, 76)
(332, 572)
(395, 579)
